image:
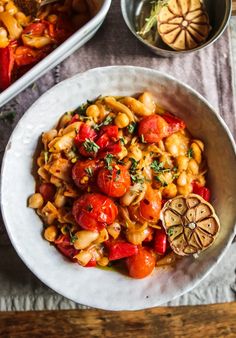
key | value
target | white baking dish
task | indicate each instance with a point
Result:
(77, 40)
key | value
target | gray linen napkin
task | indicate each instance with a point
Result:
(208, 71)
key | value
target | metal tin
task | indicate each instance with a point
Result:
(77, 40)
(135, 11)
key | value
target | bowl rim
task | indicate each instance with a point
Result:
(173, 53)
(26, 260)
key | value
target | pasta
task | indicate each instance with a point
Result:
(104, 174)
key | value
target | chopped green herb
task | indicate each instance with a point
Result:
(160, 180)
(158, 167)
(90, 146)
(136, 178)
(190, 153)
(108, 120)
(134, 165)
(170, 231)
(132, 127)
(73, 238)
(108, 159)
(122, 140)
(89, 171)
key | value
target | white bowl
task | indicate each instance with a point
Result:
(77, 40)
(96, 287)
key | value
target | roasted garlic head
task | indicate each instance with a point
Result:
(191, 224)
(183, 24)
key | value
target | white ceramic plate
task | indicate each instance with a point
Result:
(95, 287)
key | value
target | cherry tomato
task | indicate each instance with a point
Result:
(93, 211)
(175, 123)
(64, 245)
(141, 264)
(47, 190)
(153, 128)
(108, 134)
(150, 206)
(114, 182)
(85, 132)
(114, 148)
(160, 242)
(83, 173)
(119, 249)
(201, 191)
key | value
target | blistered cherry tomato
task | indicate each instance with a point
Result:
(114, 182)
(114, 149)
(93, 211)
(175, 123)
(107, 136)
(83, 173)
(153, 128)
(47, 190)
(150, 206)
(85, 132)
(201, 191)
(160, 242)
(141, 264)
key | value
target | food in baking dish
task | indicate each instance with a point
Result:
(25, 40)
(122, 180)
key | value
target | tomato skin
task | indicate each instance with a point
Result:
(150, 206)
(114, 149)
(141, 264)
(6, 66)
(79, 174)
(36, 28)
(175, 123)
(119, 250)
(112, 183)
(153, 128)
(160, 242)
(107, 135)
(47, 190)
(64, 245)
(201, 191)
(93, 211)
(85, 132)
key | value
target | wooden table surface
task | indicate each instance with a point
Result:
(188, 321)
(210, 321)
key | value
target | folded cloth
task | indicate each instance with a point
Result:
(208, 71)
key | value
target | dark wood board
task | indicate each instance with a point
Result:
(185, 321)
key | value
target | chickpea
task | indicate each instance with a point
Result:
(36, 201)
(182, 162)
(170, 191)
(185, 190)
(50, 233)
(104, 261)
(122, 120)
(193, 167)
(182, 179)
(93, 111)
(83, 257)
(60, 200)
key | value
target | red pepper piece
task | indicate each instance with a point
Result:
(91, 263)
(160, 242)
(201, 191)
(64, 245)
(118, 250)
(6, 66)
